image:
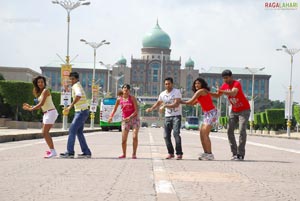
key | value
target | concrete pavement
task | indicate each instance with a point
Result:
(270, 171)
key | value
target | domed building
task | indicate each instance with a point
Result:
(187, 77)
(146, 71)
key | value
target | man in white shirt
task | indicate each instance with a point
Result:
(169, 100)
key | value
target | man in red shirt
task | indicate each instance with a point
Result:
(239, 114)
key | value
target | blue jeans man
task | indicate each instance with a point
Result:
(76, 128)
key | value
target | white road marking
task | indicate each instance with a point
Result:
(40, 141)
(259, 145)
(161, 185)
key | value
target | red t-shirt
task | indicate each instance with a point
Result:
(206, 102)
(239, 102)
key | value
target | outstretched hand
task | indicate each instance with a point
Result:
(26, 106)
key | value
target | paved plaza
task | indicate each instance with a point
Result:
(270, 171)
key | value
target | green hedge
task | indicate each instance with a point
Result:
(14, 93)
(297, 113)
(223, 121)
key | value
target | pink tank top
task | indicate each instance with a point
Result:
(127, 106)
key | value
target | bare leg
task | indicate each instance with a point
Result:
(124, 141)
(45, 130)
(135, 140)
(206, 143)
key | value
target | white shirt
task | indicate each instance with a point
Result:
(169, 98)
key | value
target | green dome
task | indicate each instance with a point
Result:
(157, 38)
(189, 63)
(122, 61)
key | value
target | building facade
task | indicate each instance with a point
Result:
(18, 74)
(261, 80)
(147, 73)
(155, 64)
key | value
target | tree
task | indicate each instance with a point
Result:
(1, 77)
(297, 113)
(15, 93)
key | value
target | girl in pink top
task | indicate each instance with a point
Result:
(129, 108)
(203, 97)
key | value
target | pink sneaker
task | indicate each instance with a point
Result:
(50, 154)
(122, 156)
(170, 156)
(134, 157)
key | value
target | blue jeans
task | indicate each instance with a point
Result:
(173, 123)
(76, 128)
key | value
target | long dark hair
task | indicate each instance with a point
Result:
(204, 84)
(36, 90)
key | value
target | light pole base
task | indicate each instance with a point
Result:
(92, 120)
(65, 123)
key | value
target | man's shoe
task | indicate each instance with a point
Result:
(170, 156)
(84, 155)
(179, 157)
(234, 158)
(240, 158)
(66, 155)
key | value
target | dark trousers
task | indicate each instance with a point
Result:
(242, 119)
(173, 123)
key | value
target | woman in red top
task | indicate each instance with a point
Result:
(130, 117)
(202, 96)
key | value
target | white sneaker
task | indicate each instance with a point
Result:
(206, 156)
(234, 158)
(202, 156)
(50, 154)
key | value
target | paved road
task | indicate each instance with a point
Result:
(271, 170)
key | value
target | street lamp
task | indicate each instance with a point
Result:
(253, 71)
(289, 103)
(117, 79)
(95, 46)
(108, 66)
(135, 91)
(68, 5)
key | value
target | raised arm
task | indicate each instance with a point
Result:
(232, 92)
(193, 100)
(153, 107)
(114, 110)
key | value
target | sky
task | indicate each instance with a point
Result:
(222, 33)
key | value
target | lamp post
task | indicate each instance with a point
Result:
(161, 70)
(291, 52)
(68, 5)
(135, 91)
(117, 79)
(253, 71)
(95, 46)
(108, 66)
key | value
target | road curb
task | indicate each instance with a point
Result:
(37, 135)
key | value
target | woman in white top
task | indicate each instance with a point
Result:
(50, 113)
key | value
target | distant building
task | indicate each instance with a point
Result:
(53, 72)
(145, 72)
(261, 80)
(18, 73)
